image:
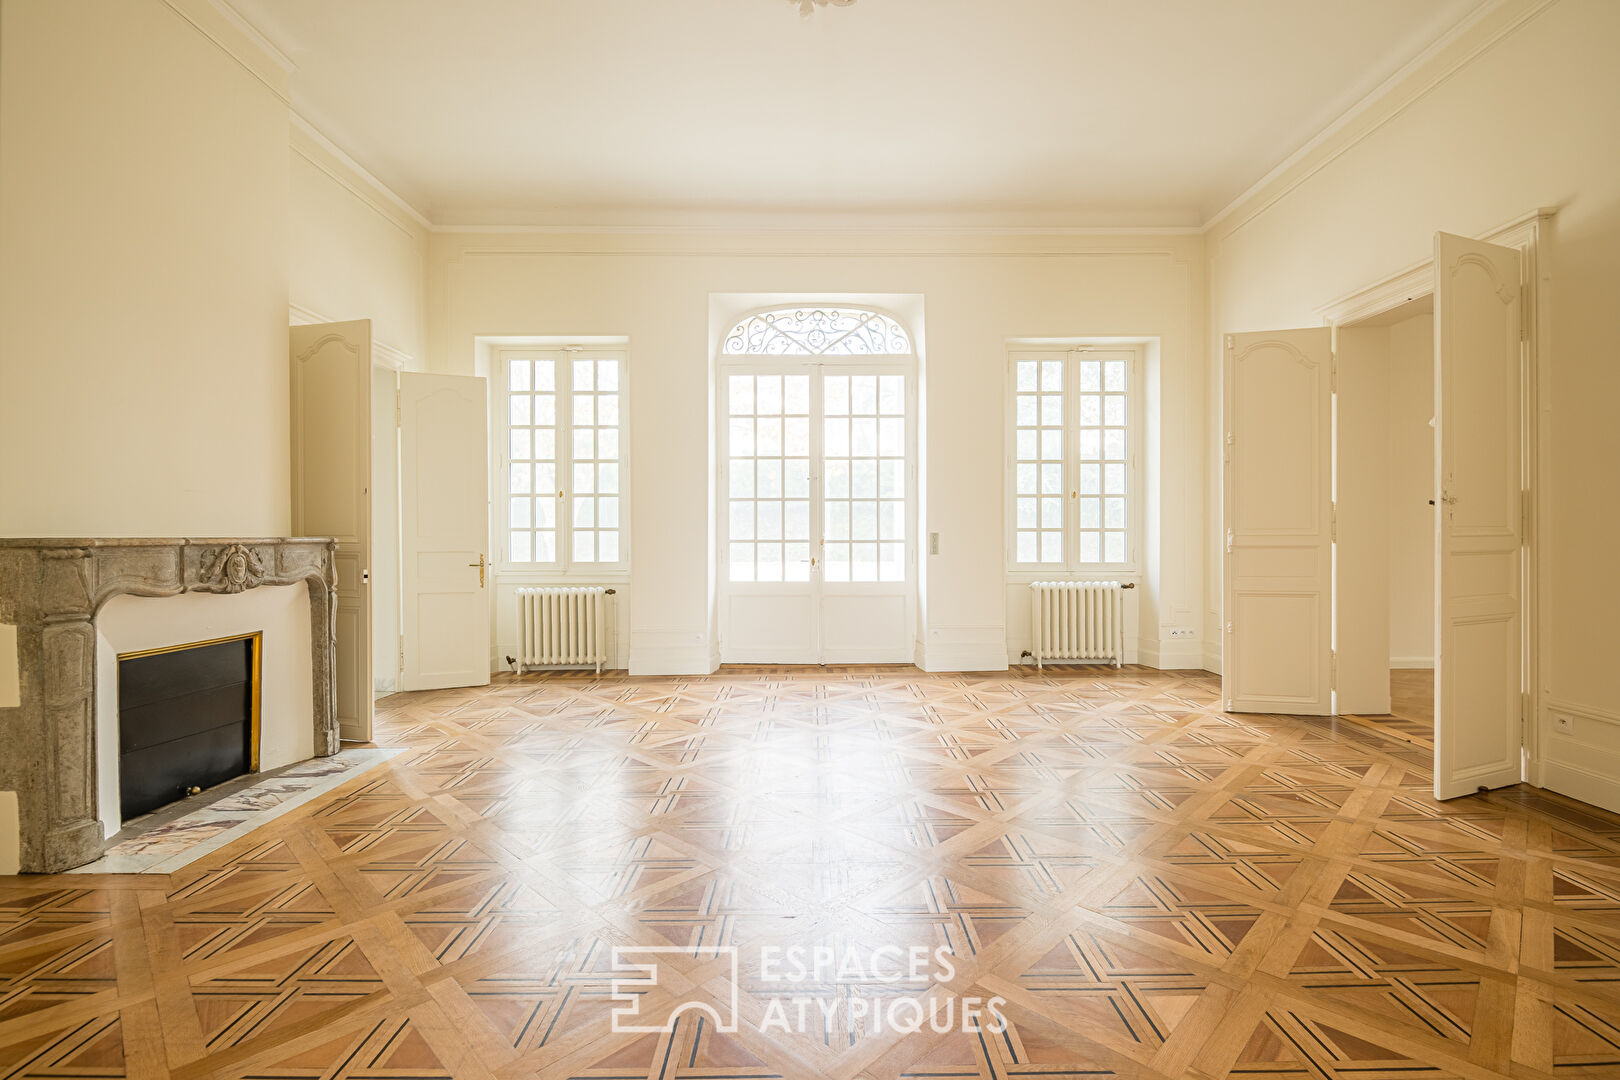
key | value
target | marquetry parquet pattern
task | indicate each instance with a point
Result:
(1157, 889)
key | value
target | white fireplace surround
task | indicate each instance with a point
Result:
(134, 623)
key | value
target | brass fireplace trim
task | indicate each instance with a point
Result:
(256, 664)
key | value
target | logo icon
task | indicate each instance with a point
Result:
(631, 990)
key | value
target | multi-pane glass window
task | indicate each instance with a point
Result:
(564, 482)
(817, 447)
(1072, 458)
(864, 459)
(1039, 420)
(768, 442)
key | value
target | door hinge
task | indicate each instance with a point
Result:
(1524, 309)
(399, 407)
(1333, 521)
(1524, 517)
(1333, 669)
(1333, 372)
(402, 653)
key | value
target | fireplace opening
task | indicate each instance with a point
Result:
(188, 718)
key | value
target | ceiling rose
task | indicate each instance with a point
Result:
(808, 6)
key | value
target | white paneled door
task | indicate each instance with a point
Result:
(817, 546)
(331, 490)
(1478, 473)
(1279, 541)
(444, 530)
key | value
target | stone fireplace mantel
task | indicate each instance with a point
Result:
(51, 591)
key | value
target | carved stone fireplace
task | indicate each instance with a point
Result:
(51, 592)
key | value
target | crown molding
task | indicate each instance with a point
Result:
(253, 34)
(237, 39)
(309, 143)
(1470, 38)
(822, 243)
(735, 230)
(1475, 35)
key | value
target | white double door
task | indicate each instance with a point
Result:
(817, 506)
(1278, 499)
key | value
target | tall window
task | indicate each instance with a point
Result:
(1073, 458)
(816, 446)
(564, 458)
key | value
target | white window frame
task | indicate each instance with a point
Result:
(1071, 565)
(816, 364)
(563, 567)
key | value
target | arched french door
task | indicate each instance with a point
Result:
(817, 448)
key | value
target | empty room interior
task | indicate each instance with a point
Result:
(809, 539)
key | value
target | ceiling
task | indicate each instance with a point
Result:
(991, 112)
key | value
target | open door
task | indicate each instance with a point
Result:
(1279, 538)
(444, 530)
(1478, 572)
(331, 481)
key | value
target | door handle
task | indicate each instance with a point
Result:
(481, 564)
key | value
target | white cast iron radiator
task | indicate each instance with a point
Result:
(1077, 620)
(560, 627)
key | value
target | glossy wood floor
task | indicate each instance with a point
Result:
(1156, 888)
(1411, 706)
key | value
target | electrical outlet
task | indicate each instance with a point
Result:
(933, 543)
(1182, 632)
(1564, 725)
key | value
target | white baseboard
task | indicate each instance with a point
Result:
(1410, 663)
(1581, 760)
(963, 648)
(689, 660)
(1580, 784)
(1174, 655)
(1212, 657)
(671, 652)
(964, 658)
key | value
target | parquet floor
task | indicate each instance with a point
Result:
(1411, 706)
(1156, 890)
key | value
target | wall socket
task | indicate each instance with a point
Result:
(933, 543)
(1182, 632)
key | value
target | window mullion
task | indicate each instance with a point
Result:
(1071, 462)
(565, 459)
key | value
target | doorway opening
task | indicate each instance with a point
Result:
(1384, 498)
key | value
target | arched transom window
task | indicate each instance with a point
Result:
(817, 331)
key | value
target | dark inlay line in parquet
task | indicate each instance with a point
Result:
(1154, 889)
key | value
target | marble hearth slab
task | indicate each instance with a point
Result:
(166, 847)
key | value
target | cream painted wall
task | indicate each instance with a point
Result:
(1525, 123)
(1411, 486)
(356, 254)
(977, 293)
(353, 253)
(143, 289)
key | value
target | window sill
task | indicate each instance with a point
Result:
(561, 577)
(1094, 573)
